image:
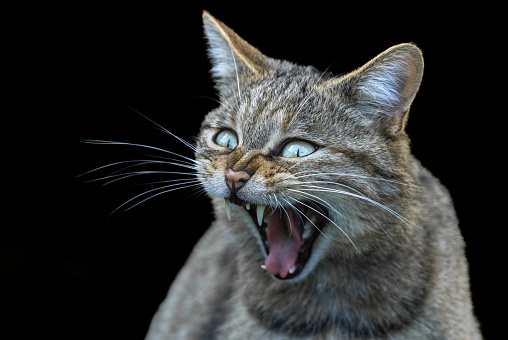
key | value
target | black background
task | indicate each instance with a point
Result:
(72, 269)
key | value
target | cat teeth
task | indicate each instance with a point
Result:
(306, 233)
(263, 267)
(260, 210)
(292, 270)
(227, 203)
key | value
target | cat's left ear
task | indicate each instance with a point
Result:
(233, 59)
(384, 88)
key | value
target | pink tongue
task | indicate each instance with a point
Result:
(284, 242)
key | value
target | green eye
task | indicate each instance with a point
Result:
(298, 148)
(227, 139)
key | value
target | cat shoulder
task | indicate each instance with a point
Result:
(195, 301)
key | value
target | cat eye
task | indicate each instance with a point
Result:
(227, 139)
(298, 148)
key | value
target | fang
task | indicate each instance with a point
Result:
(260, 210)
(228, 208)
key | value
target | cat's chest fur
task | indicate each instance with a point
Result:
(326, 227)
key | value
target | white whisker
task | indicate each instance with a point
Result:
(224, 102)
(157, 194)
(173, 180)
(192, 147)
(351, 175)
(335, 224)
(382, 206)
(321, 201)
(301, 213)
(117, 177)
(195, 162)
(334, 183)
(107, 142)
(289, 219)
(236, 68)
(217, 101)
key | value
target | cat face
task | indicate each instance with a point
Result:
(308, 161)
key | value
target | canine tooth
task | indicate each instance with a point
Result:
(307, 225)
(306, 233)
(260, 209)
(263, 267)
(292, 270)
(247, 206)
(228, 207)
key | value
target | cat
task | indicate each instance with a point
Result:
(326, 226)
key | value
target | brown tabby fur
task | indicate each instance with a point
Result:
(392, 266)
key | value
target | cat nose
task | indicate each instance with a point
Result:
(236, 179)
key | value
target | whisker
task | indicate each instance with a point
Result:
(282, 207)
(236, 67)
(198, 191)
(172, 180)
(352, 175)
(192, 147)
(118, 177)
(291, 167)
(391, 211)
(148, 161)
(320, 200)
(301, 213)
(217, 101)
(196, 162)
(105, 166)
(157, 194)
(107, 142)
(329, 182)
(335, 224)
(224, 102)
(380, 226)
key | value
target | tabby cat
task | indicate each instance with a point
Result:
(326, 226)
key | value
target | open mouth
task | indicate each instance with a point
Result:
(287, 234)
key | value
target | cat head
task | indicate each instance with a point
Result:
(309, 161)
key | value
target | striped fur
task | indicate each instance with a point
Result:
(388, 259)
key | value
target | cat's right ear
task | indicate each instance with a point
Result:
(233, 59)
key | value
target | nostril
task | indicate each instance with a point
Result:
(237, 176)
(236, 179)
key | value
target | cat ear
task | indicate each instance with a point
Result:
(385, 87)
(232, 58)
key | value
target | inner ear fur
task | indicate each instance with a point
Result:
(384, 88)
(232, 57)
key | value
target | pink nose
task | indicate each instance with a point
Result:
(236, 179)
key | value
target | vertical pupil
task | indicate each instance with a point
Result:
(227, 146)
(298, 152)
